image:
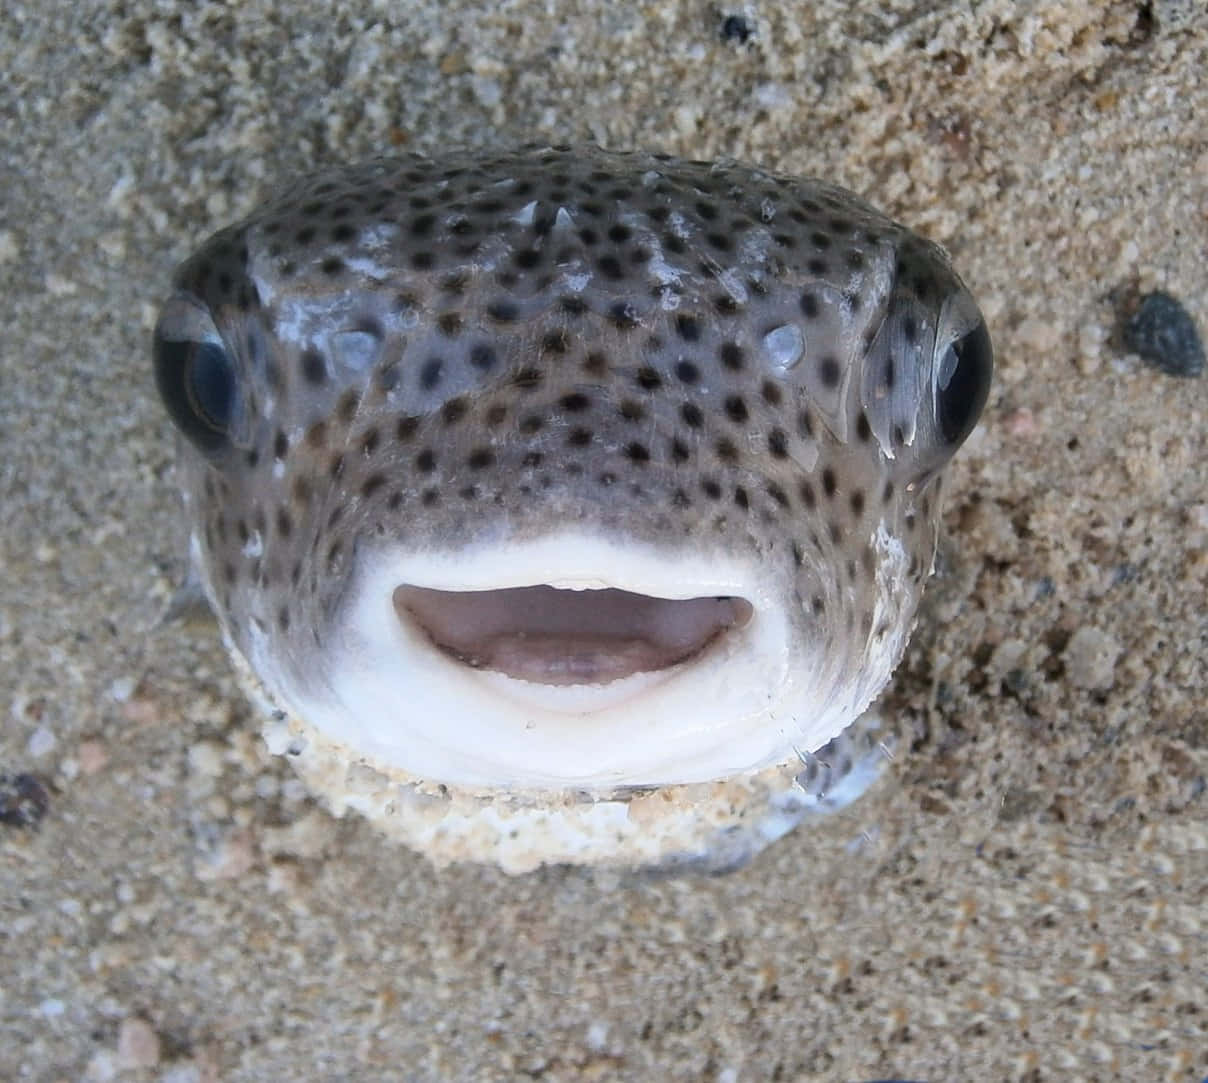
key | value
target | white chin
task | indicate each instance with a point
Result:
(531, 689)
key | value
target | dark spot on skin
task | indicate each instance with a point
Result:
(727, 451)
(687, 372)
(595, 363)
(527, 258)
(648, 379)
(347, 406)
(528, 378)
(430, 373)
(688, 328)
(454, 410)
(623, 316)
(483, 356)
(778, 444)
(579, 437)
(829, 372)
(611, 268)
(316, 435)
(828, 482)
(503, 311)
(732, 356)
(556, 342)
(691, 414)
(314, 367)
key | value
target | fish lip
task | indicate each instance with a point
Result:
(380, 688)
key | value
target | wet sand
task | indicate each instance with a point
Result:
(1023, 896)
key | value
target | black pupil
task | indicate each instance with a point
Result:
(197, 381)
(211, 383)
(961, 399)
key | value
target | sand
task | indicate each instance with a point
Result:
(1024, 896)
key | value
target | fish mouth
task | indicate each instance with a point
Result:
(561, 637)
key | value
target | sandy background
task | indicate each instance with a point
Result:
(1024, 897)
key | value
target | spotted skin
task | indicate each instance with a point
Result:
(688, 354)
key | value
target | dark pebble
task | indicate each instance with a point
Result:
(736, 28)
(23, 800)
(1163, 333)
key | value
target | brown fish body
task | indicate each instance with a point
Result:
(625, 467)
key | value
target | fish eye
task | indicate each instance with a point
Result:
(197, 381)
(963, 383)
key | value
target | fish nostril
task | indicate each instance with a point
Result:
(554, 636)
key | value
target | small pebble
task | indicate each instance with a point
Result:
(1163, 333)
(137, 1044)
(41, 742)
(736, 28)
(23, 800)
(1090, 659)
(91, 755)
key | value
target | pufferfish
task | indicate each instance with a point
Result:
(567, 505)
